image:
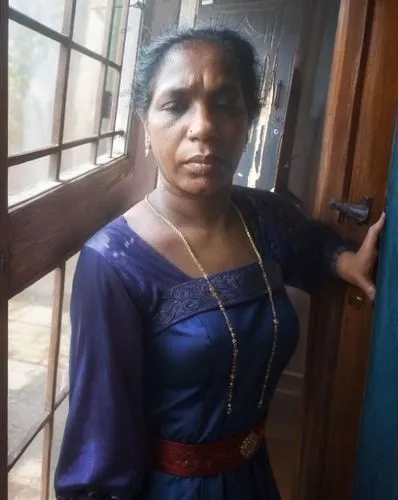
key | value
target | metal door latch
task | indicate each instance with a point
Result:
(358, 212)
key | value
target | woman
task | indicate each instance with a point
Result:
(181, 325)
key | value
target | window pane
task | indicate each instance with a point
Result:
(107, 150)
(104, 151)
(29, 341)
(117, 32)
(24, 480)
(33, 64)
(63, 365)
(110, 99)
(83, 98)
(28, 179)
(129, 61)
(92, 24)
(48, 12)
(76, 161)
(119, 146)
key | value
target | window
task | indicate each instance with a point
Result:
(69, 88)
(69, 169)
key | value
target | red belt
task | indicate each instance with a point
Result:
(207, 459)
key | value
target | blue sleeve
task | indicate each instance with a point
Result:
(102, 454)
(306, 249)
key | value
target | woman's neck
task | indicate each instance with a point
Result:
(185, 211)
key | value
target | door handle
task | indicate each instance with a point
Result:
(357, 212)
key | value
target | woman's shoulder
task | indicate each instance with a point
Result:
(117, 248)
(110, 241)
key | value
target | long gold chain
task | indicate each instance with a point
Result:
(216, 296)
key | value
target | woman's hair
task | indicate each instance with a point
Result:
(239, 51)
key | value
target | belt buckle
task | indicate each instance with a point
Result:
(249, 445)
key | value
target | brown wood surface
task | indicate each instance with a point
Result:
(3, 247)
(48, 230)
(344, 100)
(342, 113)
(355, 159)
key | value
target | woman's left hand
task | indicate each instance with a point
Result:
(357, 268)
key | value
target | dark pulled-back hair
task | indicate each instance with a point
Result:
(239, 51)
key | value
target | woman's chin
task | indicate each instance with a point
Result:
(205, 185)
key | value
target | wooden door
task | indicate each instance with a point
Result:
(273, 26)
(355, 161)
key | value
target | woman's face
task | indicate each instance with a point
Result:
(197, 121)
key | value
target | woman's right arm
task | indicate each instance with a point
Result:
(102, 454)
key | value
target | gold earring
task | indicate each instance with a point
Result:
(147, 146)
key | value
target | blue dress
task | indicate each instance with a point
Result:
(151, 354)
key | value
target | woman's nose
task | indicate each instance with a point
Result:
(202, 126)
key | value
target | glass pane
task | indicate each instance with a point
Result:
(28, 179)
(33, 66)
(29, 341)
(107, 150)
(92, 23)
(83, 98)
(48, 12)
(110, 99)
(104, 151)
(119, 146)
(126, 83)
(115, 53)
(76, 161)
(24, 480)
(63, 365)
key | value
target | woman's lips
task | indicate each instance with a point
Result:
(201, 168)
(202, 165)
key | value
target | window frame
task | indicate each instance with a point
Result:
(105, 183)
(69, 213)
(67, 44)
(38, 236)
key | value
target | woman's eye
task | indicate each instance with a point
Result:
(173, 106)
(229, 103)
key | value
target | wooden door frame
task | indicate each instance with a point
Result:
(357, 137)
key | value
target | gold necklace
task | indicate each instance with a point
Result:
(216, 296)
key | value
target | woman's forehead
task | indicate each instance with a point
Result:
(190, 65)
